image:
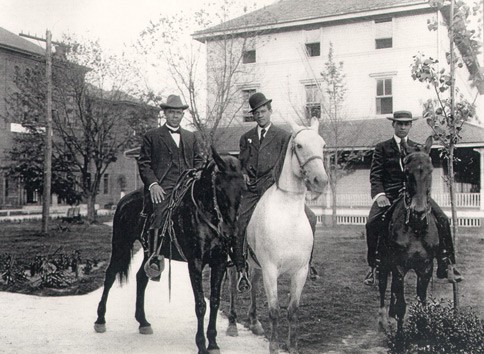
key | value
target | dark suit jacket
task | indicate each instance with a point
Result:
(386, 175)
(156, 156)
(258, 161)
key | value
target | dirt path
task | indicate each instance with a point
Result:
(32, 324)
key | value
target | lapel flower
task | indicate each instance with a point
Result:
(249, 141)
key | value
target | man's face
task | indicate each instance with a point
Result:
(262, 116)
(401, 128)
(173, 116)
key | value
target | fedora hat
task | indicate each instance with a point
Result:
(402, 116)
(173, 101)
(257, 100)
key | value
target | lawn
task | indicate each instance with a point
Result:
(337, 311)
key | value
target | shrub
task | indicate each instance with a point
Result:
(438, 328)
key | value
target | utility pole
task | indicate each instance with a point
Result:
(48, 132)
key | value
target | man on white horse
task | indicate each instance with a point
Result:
(261, 149)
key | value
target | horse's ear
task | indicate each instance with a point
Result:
(315, 124)
(428, 144)
(222, 166)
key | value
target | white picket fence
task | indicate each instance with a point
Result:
(463, 200)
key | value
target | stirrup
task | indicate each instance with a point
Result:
(154, 266)
(243, 284)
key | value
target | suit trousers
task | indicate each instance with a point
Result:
(377, 227)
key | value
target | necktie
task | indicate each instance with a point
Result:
(262, 133)
(174, 131)
(403, 151)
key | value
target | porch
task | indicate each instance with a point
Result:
(353, 208)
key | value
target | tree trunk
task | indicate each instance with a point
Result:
(91, 209)
(454, 217)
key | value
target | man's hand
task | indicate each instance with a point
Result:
(246, 178)
(157, 194)
(382, 201)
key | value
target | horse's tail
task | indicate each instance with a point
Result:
(126, 230)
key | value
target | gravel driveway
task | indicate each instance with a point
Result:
(32, 324)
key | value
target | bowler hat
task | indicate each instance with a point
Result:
(257, 100)
(173, 101)
(402, 116)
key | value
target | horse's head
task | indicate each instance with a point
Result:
(307, 156)
(228, 182)
(418, 177)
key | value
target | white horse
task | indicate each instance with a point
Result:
(279, 235)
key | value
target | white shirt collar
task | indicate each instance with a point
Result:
(259, 129)
(397, 139)
(172, 128)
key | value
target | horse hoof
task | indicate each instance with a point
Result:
(100, 327)
(257, 329)
(146, 330)
(232, 330)
(214, 351)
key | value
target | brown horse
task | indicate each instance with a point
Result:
(204, 227)
(413, 240)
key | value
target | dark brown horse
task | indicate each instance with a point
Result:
(412, 241)
(204, 225)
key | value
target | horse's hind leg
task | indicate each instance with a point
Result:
(141, 283)
(297, 283)
(253, 322)
(232, 327)
(398, 307)
(100, 324)
(382, 287)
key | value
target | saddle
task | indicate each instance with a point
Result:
(153, 267)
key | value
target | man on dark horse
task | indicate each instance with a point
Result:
(387, 182)
(261, 148)
(166, 152)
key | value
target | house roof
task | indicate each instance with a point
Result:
(362, 134)
(359, 134)
(16, 43)
(287, 11)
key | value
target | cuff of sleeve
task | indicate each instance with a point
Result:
(151, 185)
(373, 200)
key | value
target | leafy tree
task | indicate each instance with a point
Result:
(93, 119)
(206, 73)
(448, 111)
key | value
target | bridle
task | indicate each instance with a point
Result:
(302, 164)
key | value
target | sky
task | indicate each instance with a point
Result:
(113, 22)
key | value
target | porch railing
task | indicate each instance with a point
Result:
(462, 200)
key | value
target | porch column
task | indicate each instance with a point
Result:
(481, 176)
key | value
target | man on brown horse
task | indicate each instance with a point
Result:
(387, 180)
(165, 154)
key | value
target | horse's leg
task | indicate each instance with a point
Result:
(232, 327)
(195, 269)
(297, 283)
(141, 283)
(100, 324)
(269, 277)
(382, 287)
(217, 275)
(398, 306)
(253, 322)
(423, 279)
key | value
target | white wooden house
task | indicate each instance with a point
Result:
(376, 41)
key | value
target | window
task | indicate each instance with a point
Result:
(246, 93)
(383, 33)
(248, 56)
(384, 98)
(313, 49)
(106, 183)
(313, 101)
